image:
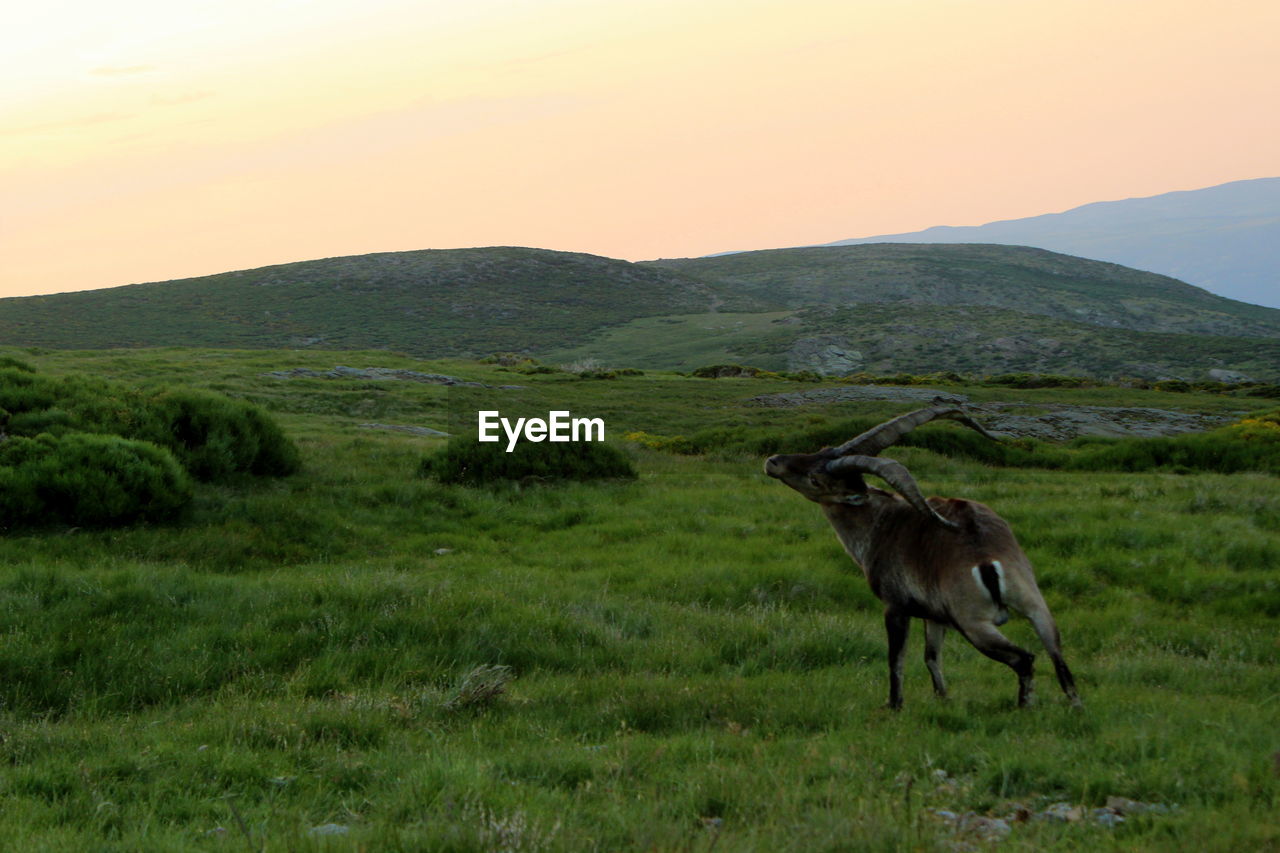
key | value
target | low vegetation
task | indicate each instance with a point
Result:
(85, 451)
(354, 656)
(478, 464)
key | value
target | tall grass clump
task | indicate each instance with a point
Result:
(90, 480)
(476, 463)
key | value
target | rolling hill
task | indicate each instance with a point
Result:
(1224, 238)
(464, 302)
(1018, 278)
(880, 308)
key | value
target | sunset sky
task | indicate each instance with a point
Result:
(146, 140)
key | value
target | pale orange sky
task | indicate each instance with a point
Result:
(145, 140)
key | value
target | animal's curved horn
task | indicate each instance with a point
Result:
(878, 438)
(893, 473)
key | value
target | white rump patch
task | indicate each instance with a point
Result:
(996, 596)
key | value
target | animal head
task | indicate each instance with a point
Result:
(833, 475)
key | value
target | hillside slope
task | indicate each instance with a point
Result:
(880, 308)
(1224, 238)
(889, 338)
(427, 303)
(1032, 281)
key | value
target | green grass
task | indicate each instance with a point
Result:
(682, 342)
(694, 662)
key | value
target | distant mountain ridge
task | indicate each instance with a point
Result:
(882, 308)
(1224, 238)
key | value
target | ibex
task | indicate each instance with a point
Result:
(953, 563)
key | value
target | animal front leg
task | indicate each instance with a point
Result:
(897, 626)
(934, 633)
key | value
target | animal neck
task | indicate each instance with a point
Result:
(853, 526)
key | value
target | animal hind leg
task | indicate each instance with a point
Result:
(986, 638)
(1047, 630)
(934, 633)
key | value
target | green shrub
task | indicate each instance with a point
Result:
(214, 436)
(89, 480)
(1036, 380)
(720, 371)
(476, 463)
(15, 364)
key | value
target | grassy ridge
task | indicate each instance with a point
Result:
(429, 303)
(695, 662)
(1019, 278)
(917, 308)
(924, 338)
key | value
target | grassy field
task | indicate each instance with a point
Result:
(354, 657)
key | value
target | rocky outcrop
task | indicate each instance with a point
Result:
(371, 373)
(1053, 422)
(1067, 422)
(829, 355)
(381, 374)
(1233, 377)
(412, 430)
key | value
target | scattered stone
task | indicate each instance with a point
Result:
(1065, 812)
(415, 430)
(970, 828)
(1124, 806)
(1108, 818)
(329, 829)
(971, 825)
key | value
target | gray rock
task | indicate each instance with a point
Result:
(329, 829)
(829, 355)
(855, 393)
(373, 374)
(1064, 422)
(1061, 423)
(1232, 376)
(415, 430)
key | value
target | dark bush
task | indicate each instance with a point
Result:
(1036, 380)
(475, 463)
(15, 364)
(720, 371)
(215, 437)
(89, 480)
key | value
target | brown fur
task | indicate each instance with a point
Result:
(920, 568)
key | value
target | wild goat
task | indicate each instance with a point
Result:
(953, 563)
